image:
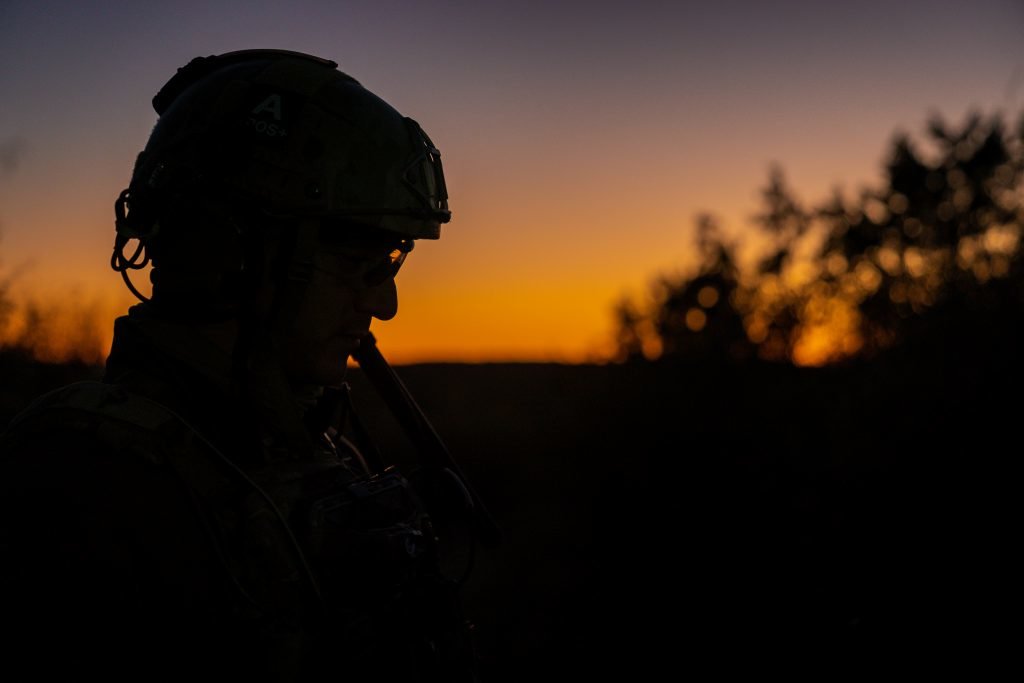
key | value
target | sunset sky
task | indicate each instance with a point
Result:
(579, 139)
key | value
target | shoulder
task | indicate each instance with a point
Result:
(87, 456)
(83, 480)
(91, 410)
(101, 537)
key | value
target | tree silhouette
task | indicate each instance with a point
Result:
(697, 317)
(940, 234)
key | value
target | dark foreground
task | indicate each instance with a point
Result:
(663, 519)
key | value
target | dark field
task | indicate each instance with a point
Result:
(735, 517)
(739, 518)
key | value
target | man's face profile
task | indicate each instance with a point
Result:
(351, 284)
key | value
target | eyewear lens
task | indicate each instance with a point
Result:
(388, 268)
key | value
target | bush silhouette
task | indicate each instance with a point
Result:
(851, 278)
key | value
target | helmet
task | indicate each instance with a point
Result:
(284, 134)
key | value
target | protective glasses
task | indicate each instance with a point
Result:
(365, 265)
(388, 267)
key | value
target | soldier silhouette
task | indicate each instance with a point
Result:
(212, 509)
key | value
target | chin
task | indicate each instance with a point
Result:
(330, 372)
(323, 371)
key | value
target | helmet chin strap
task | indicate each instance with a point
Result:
(257, 363)
(293, 273)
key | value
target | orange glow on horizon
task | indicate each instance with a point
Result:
(509, 325)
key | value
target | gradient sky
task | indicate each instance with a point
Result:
(579, 139)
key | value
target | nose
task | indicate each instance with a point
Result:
(380, 301)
